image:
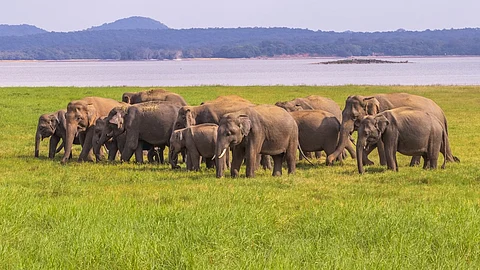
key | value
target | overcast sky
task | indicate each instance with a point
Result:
(331, 15)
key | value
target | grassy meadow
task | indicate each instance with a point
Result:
(129, 216)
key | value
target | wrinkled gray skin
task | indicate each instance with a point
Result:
(317, 130)
(153, 95)
(408, 131)
(357, 107)
(199, 141)
(112, 145)
(149, 122)
(52, 125)
(314, 102)
(263, 129)
(80, 118)
(211, 112)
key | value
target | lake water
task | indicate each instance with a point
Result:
(241, 72)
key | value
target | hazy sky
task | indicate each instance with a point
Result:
(331, 15)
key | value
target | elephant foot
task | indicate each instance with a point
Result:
(368, 162)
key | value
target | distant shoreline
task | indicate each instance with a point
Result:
(334, 60)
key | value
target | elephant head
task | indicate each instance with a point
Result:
(186, 117)
(47, 126)
(232, 129)
(177, 144)
(356, 108)
(113, 125)
(127, 96)
(370, 130)
(294, 105)
(79, 117)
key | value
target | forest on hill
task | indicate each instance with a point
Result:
(144, 44)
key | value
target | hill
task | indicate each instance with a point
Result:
(140, 44)
(131, 23)
(19, 30)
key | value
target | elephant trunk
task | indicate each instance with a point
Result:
(71, 131)
(345, 130)
(173, 158)
(38, 138)
(219, 160)
(360, 149)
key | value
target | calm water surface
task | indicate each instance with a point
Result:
(419, 71)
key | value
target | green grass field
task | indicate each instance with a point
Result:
(128, 216)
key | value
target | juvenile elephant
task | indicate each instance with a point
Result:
(263, 129)
(153, 95)
(52, 125)
(198, 140)
(81, 117)
(409, 131)
(317, 130)
(147, 122)
(357, 107)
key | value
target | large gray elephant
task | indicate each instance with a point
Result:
(81, 117)
(115, 141)
(314, 102)
(263, 129)
(52, 125)
(317, 130)
(357, 107)
(199, 141)
(153, 95)
(409, 131)
(148, 122)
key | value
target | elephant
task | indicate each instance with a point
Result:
(52, 125)
(314, 102)
(357, 107)
(409, 131)
(199, 141)
(81, 117)
(148, 122)
(116, 143)
(211, 112)
(317, 130)
(262, 129)
(153, 95)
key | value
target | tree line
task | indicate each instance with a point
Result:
(235, 43)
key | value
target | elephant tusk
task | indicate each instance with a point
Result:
(213, 158)
(223, 153)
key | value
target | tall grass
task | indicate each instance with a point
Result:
(128, 216)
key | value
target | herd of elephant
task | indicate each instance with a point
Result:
(151, 120)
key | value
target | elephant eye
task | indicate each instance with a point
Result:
(228, 133)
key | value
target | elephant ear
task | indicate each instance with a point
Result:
(372, 106)
(245, 124)
(381, 122)
(189, 118)
(117, 119)
(91, 114)
(62, 120)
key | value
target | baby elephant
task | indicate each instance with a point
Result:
(409, 131)
(199, 141)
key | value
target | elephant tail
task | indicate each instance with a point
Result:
(303, 155)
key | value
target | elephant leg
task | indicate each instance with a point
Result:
(85, 154)
(415, 161)
(277, 165)
(52, 147)
(159, 154)
(381, 152)
(112, 152)
(237, 159)
(351, 150)
(265, 162)
(318, 154)
(139, 154)
(366, 160)
(210, 163)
